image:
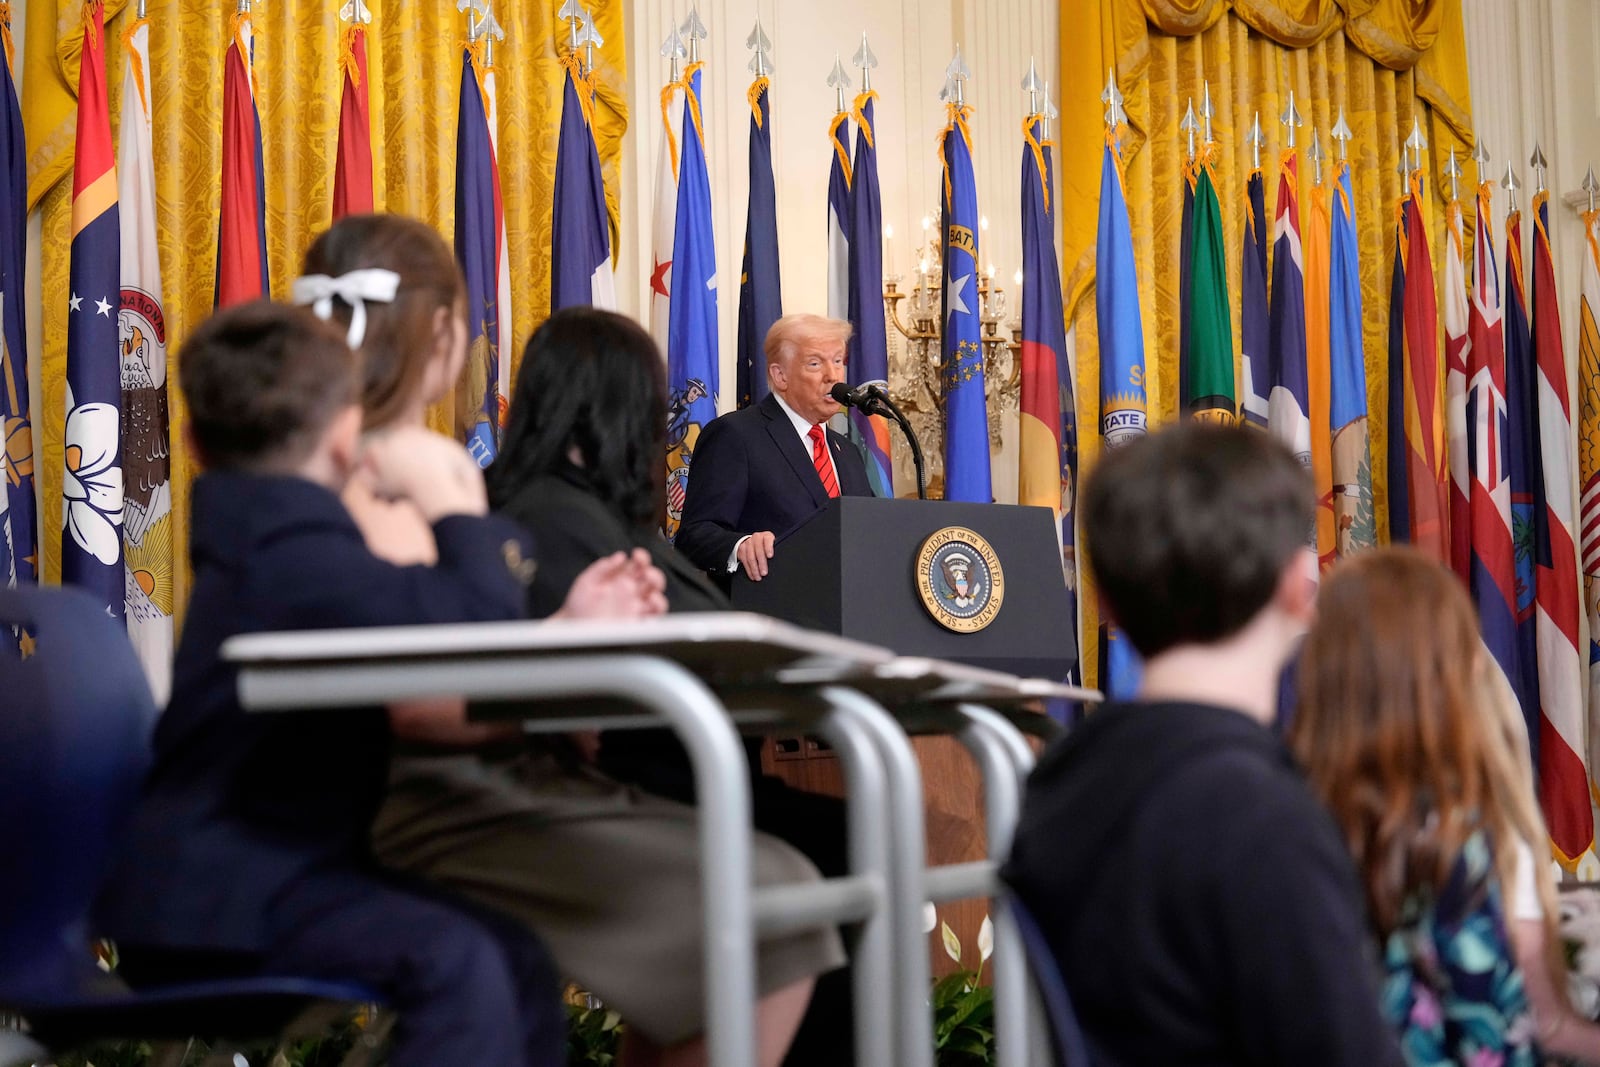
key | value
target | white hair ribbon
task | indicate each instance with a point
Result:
(354, 288)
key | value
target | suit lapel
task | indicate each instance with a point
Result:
(781, 430)
(848, 467)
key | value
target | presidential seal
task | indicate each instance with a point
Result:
(960, 580)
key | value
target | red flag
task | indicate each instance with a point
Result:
(241, 230)
(352, 169)
(1427, 481)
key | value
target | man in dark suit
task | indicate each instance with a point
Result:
(759, 472)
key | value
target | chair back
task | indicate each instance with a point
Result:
(75, 722)
(1068, 1044)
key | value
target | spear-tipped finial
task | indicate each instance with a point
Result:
(1591, 187)
(694, 31)
(838, 81)
(1291, 118)
(1404, 169)
(1032, 86)
(955, 80)
(1341, 134)
(759, 43)
(356, 11)
(1206, 112)
(590, 39)
(1480, 156)
(1452, 170)
(1255, 141)
(489, 32)
(1115, 115)
(1539, 165)
(1510, 184)
(1050, 112)
(571, 13)
(477, 12)
(1190, 126)
(864, 60)
(673, 51)
(1416, 142)
(1317, 156)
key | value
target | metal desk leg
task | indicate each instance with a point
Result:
(998, 749)
(913, 1022)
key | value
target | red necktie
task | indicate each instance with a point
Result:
(820, 460)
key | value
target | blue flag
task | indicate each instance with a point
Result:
(966, 428)
(838, 220)
(580, 229)
(22, 559)
(1356, 528)
(1530, 531)
(91, 535)
(692, 360)
(477, 249)
(760, 284)
(1123, 400)
(1254, 330)
(1288, 401)
(869, 342)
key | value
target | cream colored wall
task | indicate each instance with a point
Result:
(914, 41)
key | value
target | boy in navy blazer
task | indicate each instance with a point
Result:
(249, 853)
(759, 472)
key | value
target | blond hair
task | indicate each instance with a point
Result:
(801, 328)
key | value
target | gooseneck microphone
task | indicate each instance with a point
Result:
(873, 399)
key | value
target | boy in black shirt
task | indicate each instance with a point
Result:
(249, 852)
(1198, 900)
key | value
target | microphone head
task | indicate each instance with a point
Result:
(841, 393)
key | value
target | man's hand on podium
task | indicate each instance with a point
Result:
(753, 553)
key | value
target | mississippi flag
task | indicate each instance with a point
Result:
(242, 230)
(1045, 468)
(478, 228)
(1563, 779)
(692, 360)
(869, 342)
(352, 168)
(1288, 407)
(1123, 413)
(1589, 463)
(1347, 382)
(580, 229)
(1428, 504)
(17, 505)
(1526, 470)
(1254, 329)
(1455, 390)
(142, 326)
(838, 217)
(1492, 579)
(91, 531)
(760, 280)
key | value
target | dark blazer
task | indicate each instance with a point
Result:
(573, 527)
(241, 811)
(752, 472)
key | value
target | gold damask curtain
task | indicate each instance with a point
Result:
(414, 57)
(1384, 61)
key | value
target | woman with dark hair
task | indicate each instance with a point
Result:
(581, 461)
(580, 466)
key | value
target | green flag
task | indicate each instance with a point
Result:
(1210, 340)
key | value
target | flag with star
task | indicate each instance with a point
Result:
(664, 213)
(1526, 469)
(142, 329)
(1355, 525)
(20, 561)
(1123, 400)
(1456, 329)
(966, 429)
(1589, 462)
(869, 341)
(1046, 457)
(92, 496)
(242, 226)
(692, 359)
(1492, 580)
(1563, 778)
(580, 229)
(477, 241)
(760, 280)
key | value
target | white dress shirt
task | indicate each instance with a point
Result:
(803, 428)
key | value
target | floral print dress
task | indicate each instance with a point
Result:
(1452, 989)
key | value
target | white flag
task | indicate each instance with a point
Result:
(664, 223)
(146, 452)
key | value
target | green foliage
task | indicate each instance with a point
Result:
(593, 1034)
(963, 1021)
